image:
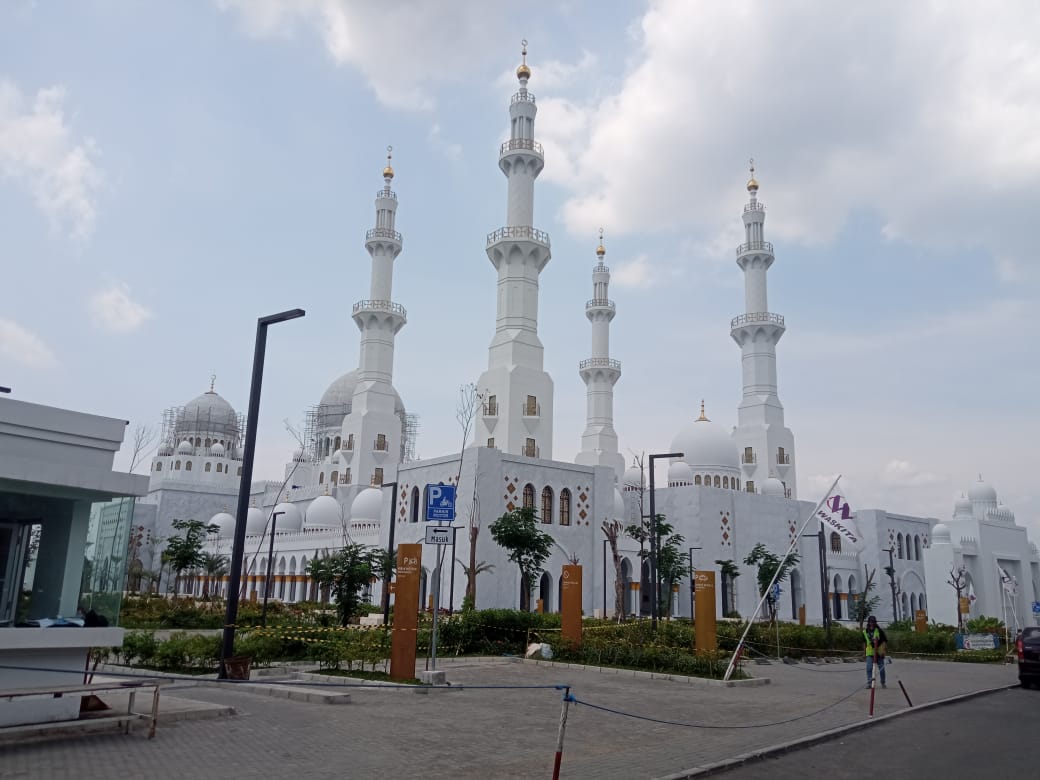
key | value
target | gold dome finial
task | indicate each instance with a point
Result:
(752, 185)
(600, 250)
(523, 72)
(388, 171)
(702, 418)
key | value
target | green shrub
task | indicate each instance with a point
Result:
(985, 625)
(138, 646)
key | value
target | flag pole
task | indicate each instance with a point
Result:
(765, 594)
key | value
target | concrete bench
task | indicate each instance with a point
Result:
(125, 686)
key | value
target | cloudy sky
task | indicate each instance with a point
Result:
(171, 171)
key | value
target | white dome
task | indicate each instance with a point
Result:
(962, 507)
(941, 534)
(679, 473)
(225, 524)
(324, 512)
(290, 518)
(633, 479)
(706, 445)
(184, 448)
(256, 521)
(340, 394)
(217, 450)
(980, 491)
(367, 506)
(209, 414)
(773, 487)
(619, 506)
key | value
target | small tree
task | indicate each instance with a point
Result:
(671, 566)
(612, 530)
(529, 547)
(866, 605)
(213, 566)
(469, 600)
(184, 550)
(728, 572)
(345, 572)
(769, 564)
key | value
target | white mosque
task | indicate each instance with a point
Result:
(356, 480)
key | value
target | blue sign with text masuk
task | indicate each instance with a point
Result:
(440, 503)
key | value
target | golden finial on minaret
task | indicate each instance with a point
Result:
(601, 250)
(523, 72)
(702, 418)
(388, 171)
(752, 185)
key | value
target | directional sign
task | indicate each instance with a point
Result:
(1036, 607)
(777, 590)
(440, 503)
(438, 534)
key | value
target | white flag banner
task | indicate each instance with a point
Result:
(836, 515)
(1009, 583)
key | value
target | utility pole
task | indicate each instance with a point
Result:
(890, 570)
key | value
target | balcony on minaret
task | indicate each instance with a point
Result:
(783, 460)
(388, 310)
(599, 303)
(380, 444)
(520, 145)
(743, 326)
(749, 247)
(530, 449)
(754, 206)
(384, 235)
(522, 97)
(531, 407)
(518, 233)
(748, 459)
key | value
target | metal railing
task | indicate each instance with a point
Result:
(594, 303)
(757, 316)
(783, 459)
(491, 409)
(518, 231)
(383, 233)
(530, 452)
(748, 459)
(381, 445)
(522, 97)
(531, 410)
(755, 246)
(521, 143)
(599, 363)
(755, 206)
(390, 306)
(385, 193)
(348, 445)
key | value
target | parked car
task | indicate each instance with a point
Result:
(1028, 645)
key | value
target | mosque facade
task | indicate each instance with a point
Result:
(353, 480)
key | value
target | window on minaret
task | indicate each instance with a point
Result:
(782, 457)
(547, 504)
(529, 496)
(565, 507)
(491, 442)
(531, 407)
(321, 478)
(530, 450)
(350, 441)
(381, 442)
(835, 542)
(749, 486)
(346, 476)
(334, 479)
(377, 477)
(491, 407)
(749, 455)
(338, 442)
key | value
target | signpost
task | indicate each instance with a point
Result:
(440, 508)
(440, 503)
(920, 621)
(439, 534)
(704, 621)
(406, 612)
(570, 604)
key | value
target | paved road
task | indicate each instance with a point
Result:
(497, 733)
(990, 736)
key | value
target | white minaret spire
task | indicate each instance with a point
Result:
(518, 394)
(766, 446)
(373, 426)
(599, 443)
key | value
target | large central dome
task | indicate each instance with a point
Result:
(341, 394)
(705, 444)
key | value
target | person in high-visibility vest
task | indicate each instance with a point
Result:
(876, 644)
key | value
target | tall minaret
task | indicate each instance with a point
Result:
(373, 427)
(517, 393)
(599, 443)
(765, 444)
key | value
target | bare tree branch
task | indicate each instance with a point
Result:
(144, 437)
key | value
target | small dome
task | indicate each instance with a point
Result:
(339, 396)
(184, 448)
(324, 512)
(239, 453)
(705, 444)
(217, 450)
(619, 506)
(941, 534)
(679, 473)
(209, 414)
(225, 524)
(980, 491)
(523, 72)
(289, 517)
(256, 521)
(962, 507)
(773, 487)
(633, 479)
(367, 506)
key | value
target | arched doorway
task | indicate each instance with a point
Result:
(645, 590)
(796, 593)
(836, 610)
(545, 591)
(626, 587)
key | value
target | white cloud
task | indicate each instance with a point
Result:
(24, 346)
(38, 149)
(901, 473)
(402, 48)
(449, 149)
(923, 114)
(113, 310)
(637, 273)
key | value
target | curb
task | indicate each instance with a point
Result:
(717, 767)
(752, 682)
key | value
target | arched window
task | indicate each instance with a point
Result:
(346, 476)
(187, 466)
(415, 505)
(917, 547)
(528, 496)
(198, 441)
(338, 442)
(913, 604)
(835, 542)
(725, 482)
(565, 507)
(220, 468)
(547, 504)
(899, 546)
(836, 609)
(718, 482)
(321, 478)
(158, 466)
(735, 483)
(209, 466)
(209, 443)
(697, 480)
(334, 479)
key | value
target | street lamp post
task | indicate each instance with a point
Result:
(655, 607)
(387, 573)
(693, 582)
(238, 550)
(270, 561)
(890, 570)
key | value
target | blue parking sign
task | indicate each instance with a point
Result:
(440, 503)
